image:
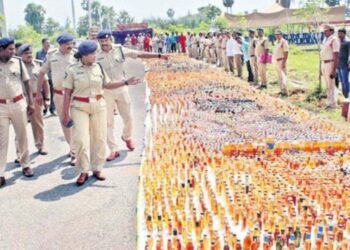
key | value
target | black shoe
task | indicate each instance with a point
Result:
(17, 162)
(2, 182)
(44, 111)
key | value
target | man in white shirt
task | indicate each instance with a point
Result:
(230, 44)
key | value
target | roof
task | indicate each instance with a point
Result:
(282, 17)
(273, 8)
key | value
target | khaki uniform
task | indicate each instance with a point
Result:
(58, 63)
(206, 52)
(261, 45)
(36, 119)
(281, 47)
(89, 117)
(212, 50)
(14, 111)
(224, 56)
(218, 51)
(330, 45)
(113, 63)
(253, 59)
(194, 47)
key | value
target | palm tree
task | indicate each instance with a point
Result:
(3, 27)
(284, 3)
(228, 4)
(170, 13)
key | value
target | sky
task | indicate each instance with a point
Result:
(60, 10)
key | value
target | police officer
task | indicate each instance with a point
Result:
(280, 57)
(329, 63)
(112, 58)
(84, 85)
(57, 61)
(12, 105)
(253, 60)
(36, 119)
(262, 47)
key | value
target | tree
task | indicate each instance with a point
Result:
(83, 25)
(27, 34)
(332, 3)
(51, 26)
(124, 17)
(35, 16)
(209, 12)
(228, 3)
(284, 3)
(170, 13)
(312, 9)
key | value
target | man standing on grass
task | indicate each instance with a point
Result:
(344, 61)
(329, 60)
(280, 57)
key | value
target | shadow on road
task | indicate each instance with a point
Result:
(49, 167)
(62, 191)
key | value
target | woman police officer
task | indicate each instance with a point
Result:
(84, 84)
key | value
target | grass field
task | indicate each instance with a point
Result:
(303, 68)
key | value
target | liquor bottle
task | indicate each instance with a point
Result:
(319, 241)
(266, 245)
(297, 235)
(247, 242)
(279, 243)
(307, 244)
(291, 243)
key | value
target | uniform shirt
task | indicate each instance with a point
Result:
(280, 48)
(330, 45)
(261, 45)
(57, 63)
(85, 81)
(33, 71)
(223, 42)
(344, 53)
(11, 78)
(252, 46)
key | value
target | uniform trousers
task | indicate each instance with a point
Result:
(15, 113)
(123, 102)
(66, 131)
(262, 73)
(254, 66)
(282, 76)
(89, 134)
(330, 83)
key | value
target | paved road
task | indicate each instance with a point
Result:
(50, 212)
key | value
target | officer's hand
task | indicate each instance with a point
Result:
(134, 81)
(30, 109)
(39, 100)
(66, 119)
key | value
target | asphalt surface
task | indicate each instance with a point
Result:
(49, 211)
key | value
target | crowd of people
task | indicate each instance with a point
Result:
(233, 52)
(85, 86)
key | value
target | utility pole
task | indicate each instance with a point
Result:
(3, 26)
(89, 11)
(73, 17)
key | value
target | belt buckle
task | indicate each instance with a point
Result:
(9, 101)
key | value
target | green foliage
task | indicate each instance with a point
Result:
(51, 26)
(27, 34)
(221, 22)
(35, 16)
(83, 25)
(124, 17)
(209, 12)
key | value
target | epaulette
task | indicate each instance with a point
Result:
(52, 51)
(40, 62)
(72, 65)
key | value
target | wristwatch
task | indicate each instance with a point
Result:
(126, 82)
